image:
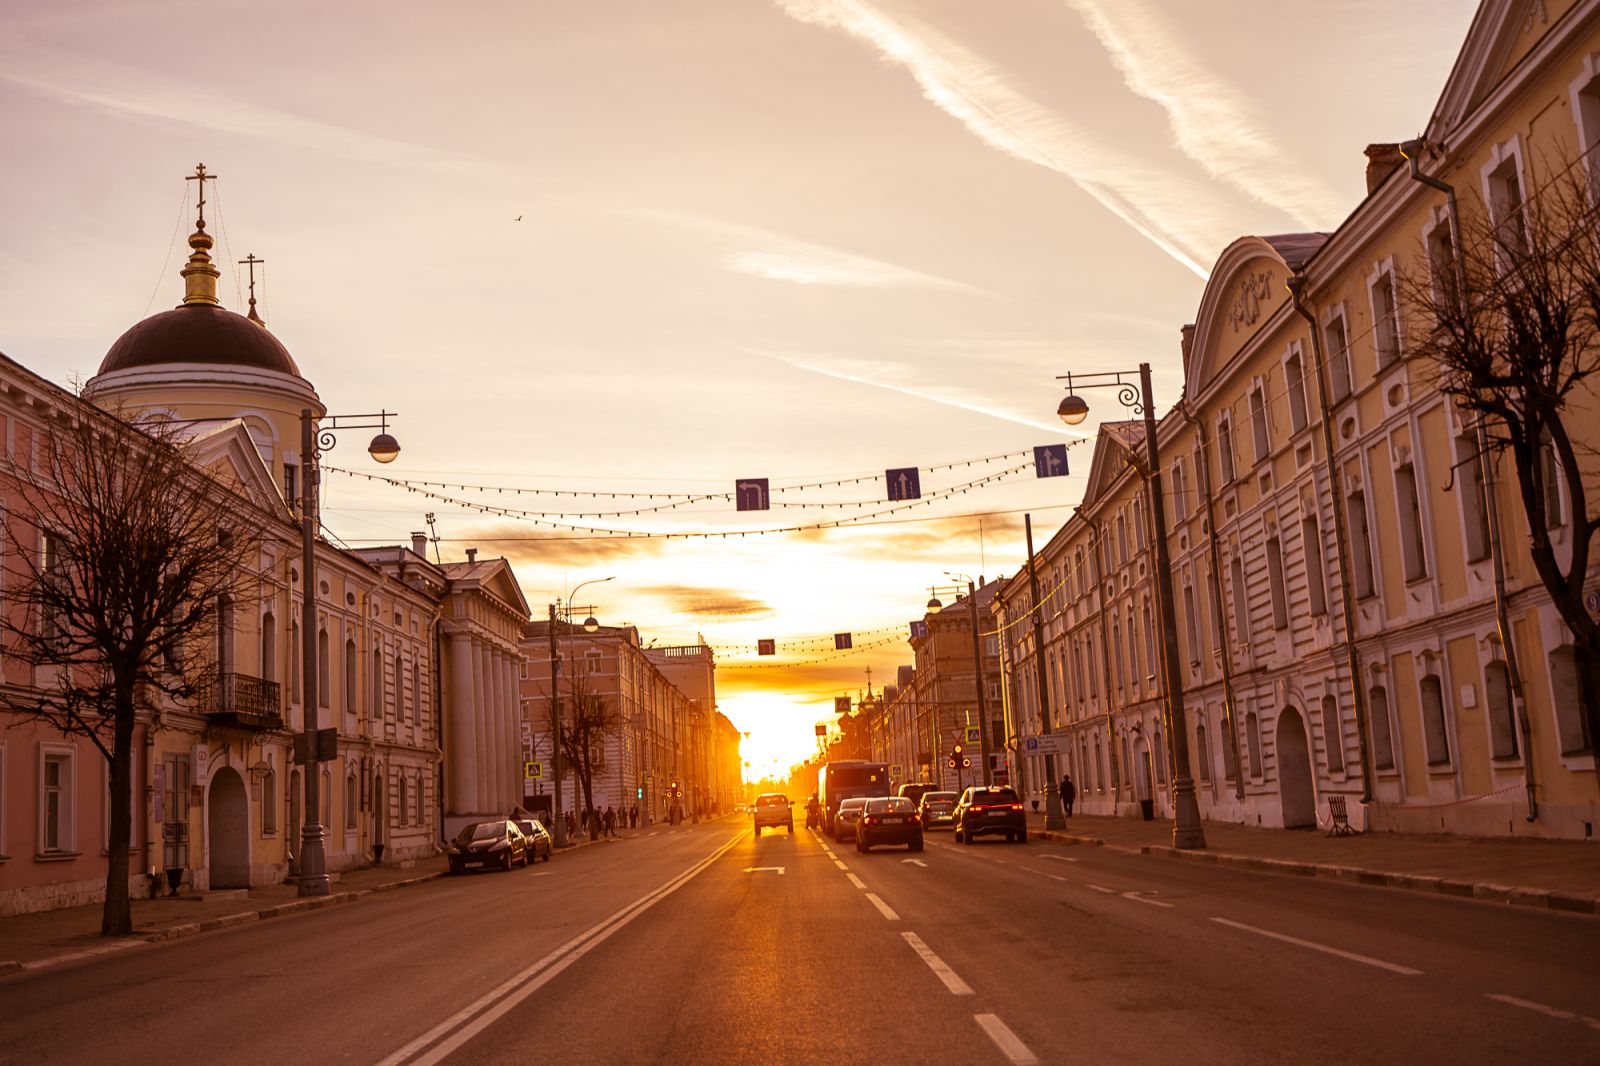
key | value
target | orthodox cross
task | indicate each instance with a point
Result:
(249, 262)
(202, 177)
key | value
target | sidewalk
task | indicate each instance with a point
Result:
(45, 938)
(1555, 874)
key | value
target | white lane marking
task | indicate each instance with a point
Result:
(854, 880)
(1103, 888)
(1324, 948)
(1058, 858)
(840, 864)
(1010, 1045)
(956, 985)
(1138, 898)
(919, 862)
(1057, 877)
(883, 908)
(1554, 1012)
(762, 869)
(540, 873)
(475, 1017)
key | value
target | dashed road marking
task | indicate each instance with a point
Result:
(1058, 858)
(1010, 1045)
(840, 864)
(1139, 897)
(1057, 877)
(956, 985)
(1103, 888)
(1324, 948)
(883, 908)
(854, 880)
(1554, 1012)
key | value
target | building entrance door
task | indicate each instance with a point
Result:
(1296, 792)
(228, 839)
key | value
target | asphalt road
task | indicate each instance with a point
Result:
(705, 945)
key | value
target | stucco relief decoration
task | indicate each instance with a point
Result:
(1246, 307)
(1538, 15)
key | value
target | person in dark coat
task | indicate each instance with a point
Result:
(609, 819)
(1069, 793)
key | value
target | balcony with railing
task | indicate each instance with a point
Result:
(243, 701)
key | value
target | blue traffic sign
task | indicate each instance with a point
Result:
(904, 484)
(1050, 460)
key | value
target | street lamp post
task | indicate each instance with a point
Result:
(977, 671)
(1187, 833)
(557, 760)
(314, 440)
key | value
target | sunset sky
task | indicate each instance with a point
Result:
(806, 240)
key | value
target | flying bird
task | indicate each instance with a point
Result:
(517, 219)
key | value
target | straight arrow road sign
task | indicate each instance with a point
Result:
(762, 869)
(918, 862)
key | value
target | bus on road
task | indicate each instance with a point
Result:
(842, 779)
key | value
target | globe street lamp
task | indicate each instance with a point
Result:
(316, 437)
(557, 761)
(1187, 832)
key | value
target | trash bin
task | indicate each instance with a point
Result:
(1147, 810)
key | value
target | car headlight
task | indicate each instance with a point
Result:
(499, 846)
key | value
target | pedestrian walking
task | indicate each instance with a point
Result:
(633, 816)
(609, 819)
(1069, 793)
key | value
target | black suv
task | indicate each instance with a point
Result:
(990, 810)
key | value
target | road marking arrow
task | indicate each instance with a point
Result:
(919, 862)
(762, 869)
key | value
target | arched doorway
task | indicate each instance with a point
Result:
(228, 839)
(291, 845)
(1295, 789)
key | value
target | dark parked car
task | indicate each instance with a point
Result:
(937, 809)
(890, 820)
(538, 838)
(844, 822)
(497, 843)
(990, 810)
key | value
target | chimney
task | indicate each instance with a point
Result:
(472, 555)
(1382, 160)
(1187, 333)
(419, 544)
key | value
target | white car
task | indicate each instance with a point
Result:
(773, 809)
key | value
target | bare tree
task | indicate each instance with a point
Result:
(121, 552)
(589, 721)
(1509, 320)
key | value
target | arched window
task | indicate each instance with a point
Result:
(327, 799)
(269, 802)
(1229, 769)
(269, 646)
(1382, 728)
(1571, 728)
(324, 681)
(1203, 753)
(1099, 777)
(416, 692)
(403, 808)
(1333, 734)
(1252, 736)
(1436, 739)
(352, 693)
(1502, 722)
(419, 820)
(399, 689)
(351, 798)
(224, 634)
(375, 682)
(1160, 755)
(294, 661)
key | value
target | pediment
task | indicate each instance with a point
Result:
(1503, 32)
(1110, 459)
(229, 453)
(502, 582)
(1248, 287)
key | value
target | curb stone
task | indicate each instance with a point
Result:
(1513, 894)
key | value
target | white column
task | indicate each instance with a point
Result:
(482, 786)
(513, 711)
(502, 726)
(462, 756)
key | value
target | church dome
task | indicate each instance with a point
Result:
(199, 333)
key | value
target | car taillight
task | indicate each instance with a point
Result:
(1016, 806)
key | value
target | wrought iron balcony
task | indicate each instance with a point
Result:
(243, 701)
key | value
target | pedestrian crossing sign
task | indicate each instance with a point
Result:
(532, 771)
(974, 736)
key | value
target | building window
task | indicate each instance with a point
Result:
(591, 662)
(399, 687)
(1571, 727)
(1502, 719)
(1229, 769)
(324, 683)
(1252, 736)
(1133, 653)
(269, 646)
(269, 803)
(1215, 592)
(1382, 728)
(375, 682)
(416, 691)
(1409, 506)
(294, 660)
(1338, 344)
(291, 471)
(1116, 647)
(1258, 422)
(1436, 741)
(1333, 734)
(1442, 263)
(419, 819)
(1202, 752)
(1149, 640)
(1469, 479)
(1385, 318)
(403, 808)
(1550, 479)
(1225, 449)
(351, 803)
(1316, 579)
(1360, 544)
(1506, 204)
(1294, 380)
(1241, 600)
(327, 799)
(1122, 538)
(1099, 778)
(225, 634)
(50, 574)
(1275, 583)
(352, 690)
(55, 800)
(1191, 623)
(1180, 492)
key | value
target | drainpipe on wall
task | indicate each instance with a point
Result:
(1296, 285)
(1105, 655)
(1412, 150)
(1215, 594)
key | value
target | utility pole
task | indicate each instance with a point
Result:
(1053, 815)
(556, 762)
(977, 681)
